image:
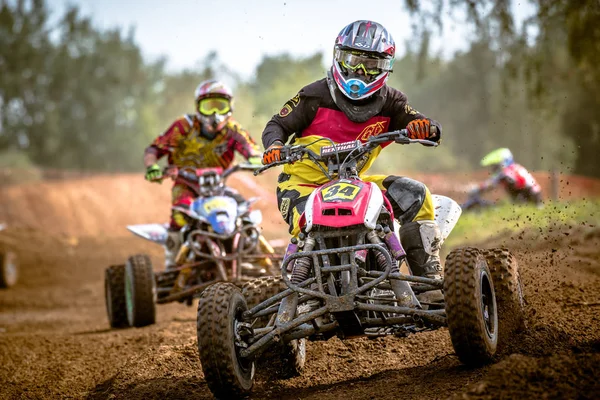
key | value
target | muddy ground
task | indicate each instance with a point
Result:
(55, 341)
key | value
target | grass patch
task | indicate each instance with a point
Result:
(478, 226)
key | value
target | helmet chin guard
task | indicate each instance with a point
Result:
(355, 88)
(356, 111)
(212, 124)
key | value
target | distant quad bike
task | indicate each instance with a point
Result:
(221, 242)
(9, 269)
(344, 263)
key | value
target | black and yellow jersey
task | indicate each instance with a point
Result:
(312, 114)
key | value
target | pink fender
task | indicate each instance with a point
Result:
(343, 203)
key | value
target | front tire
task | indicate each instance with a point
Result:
(9, 270)
(140, 291)
(114, 295)
(471, 306)
(509, 293)
(220, 308)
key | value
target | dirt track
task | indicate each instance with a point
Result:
(55, 341)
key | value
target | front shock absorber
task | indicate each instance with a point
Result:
(402, 290)
(374, 238)
(302, 265)
(300, 273)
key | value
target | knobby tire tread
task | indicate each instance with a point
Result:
(144, 307)
(293, 354)
(462, 303)
(509, 292)
(216, 342)
(114, 278)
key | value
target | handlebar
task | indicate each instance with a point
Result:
(291, 154)
(189, 173)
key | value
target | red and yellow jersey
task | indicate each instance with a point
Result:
(313, 114)
(185, 146)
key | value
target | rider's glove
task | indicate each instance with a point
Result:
(272, 154)
(422, 129)
(255, 160)
(153, 173)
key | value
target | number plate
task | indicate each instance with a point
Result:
(215, 203)
(340, 192)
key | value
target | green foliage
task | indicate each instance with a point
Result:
(558, 69)
(88, 100)
(508, 218)
(14, 159)
(277, 79)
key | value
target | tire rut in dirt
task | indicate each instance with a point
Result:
(114, 293)
(287, 360)
(140, 291)
(218, 308)
(509, 294)
(467, 280)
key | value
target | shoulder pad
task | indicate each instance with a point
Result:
(315, 89)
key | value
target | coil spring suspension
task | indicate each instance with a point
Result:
(382, 262)
(302, 266)
(301, 270)
(379, 256)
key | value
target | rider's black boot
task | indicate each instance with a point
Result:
(421, 241)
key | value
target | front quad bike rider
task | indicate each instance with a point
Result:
(516, 180)
(206, 139)
(354, 103)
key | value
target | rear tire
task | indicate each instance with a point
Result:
(114, 295)
(260, 289)
(509, 293)
(9, 270)
(471, 306)
(292, 356)
(220, 307)
(140, 291)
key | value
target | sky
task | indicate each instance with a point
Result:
(242, 31)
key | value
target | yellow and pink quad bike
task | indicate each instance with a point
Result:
(346, 281)
(221, 241)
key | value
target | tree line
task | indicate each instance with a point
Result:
(77, 97)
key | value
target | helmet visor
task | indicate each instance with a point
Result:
(214, 105)
(354, 61)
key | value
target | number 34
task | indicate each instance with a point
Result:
(340, 191)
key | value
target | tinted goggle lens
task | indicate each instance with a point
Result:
(369, 65)
(367, 69)
(214, 105)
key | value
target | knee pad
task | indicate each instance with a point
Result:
(406, 196)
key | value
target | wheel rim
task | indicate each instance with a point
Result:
(129, 296)
(245, 364)
(488, 306)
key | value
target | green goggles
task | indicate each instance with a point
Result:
(214, 105)
(369, 65)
